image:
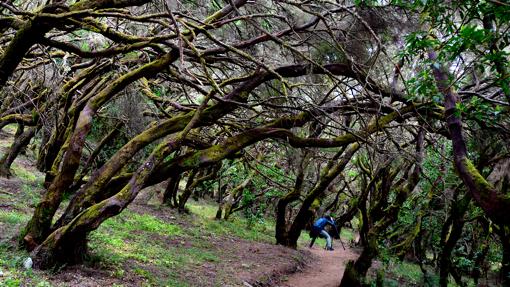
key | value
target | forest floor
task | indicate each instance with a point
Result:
(325, 269)
(152, 245)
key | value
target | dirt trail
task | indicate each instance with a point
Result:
(326, 270)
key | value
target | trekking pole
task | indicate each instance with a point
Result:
(341, 242)
(340, 238)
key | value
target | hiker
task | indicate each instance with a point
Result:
(319, 231)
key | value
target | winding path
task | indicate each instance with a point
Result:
(325, 271)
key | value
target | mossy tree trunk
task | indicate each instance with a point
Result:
(45, 136)
(28, 35)
(59, 247)
(281, 226)
(494, 203)
(97, 150)
(60, 242)
(89, 81)
(52, 252)
(39, 225)
(21, 140)
(355, 271)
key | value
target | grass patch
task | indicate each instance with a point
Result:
(144, 222)
(139, 240)
(11, 261)
(13, 217)
(347, 235)
(142, 240)
(404, 273)
(30, 194)
(262, 231)
(24, 174)
(409, 272)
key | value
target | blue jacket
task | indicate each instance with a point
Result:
(321, 223)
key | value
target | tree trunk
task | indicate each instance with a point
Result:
(39, 225)
(450, 234)
(355, 271)
(21, 140)
(42, 149)
(172, 187)
(28, 35)
(505, 262)
(104, 141)
(365, 224)
(183, 198)
(47, 254)
(231, 200)
(281, 227)
(52, 252)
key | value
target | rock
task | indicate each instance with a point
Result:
(245, 265)
(247, 284)
(28, 263)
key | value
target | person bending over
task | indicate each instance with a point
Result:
(319, 231)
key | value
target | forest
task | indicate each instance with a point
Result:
(194, 142)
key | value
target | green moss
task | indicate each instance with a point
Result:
(315, 204)
(479, 180)
(10, 128)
